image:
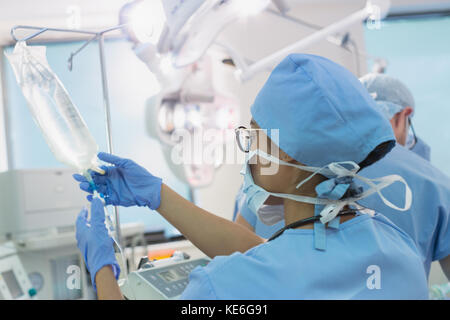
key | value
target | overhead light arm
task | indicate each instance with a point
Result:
(372, 8)
(281, 5)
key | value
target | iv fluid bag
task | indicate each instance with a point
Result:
(61, 124)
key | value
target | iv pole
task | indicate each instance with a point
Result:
(99, 36)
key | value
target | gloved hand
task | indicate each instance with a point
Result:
(93, 240)
(125, 184)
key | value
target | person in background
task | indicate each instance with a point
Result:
(397, 104)
(427, 222)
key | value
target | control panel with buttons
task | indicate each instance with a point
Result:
(161, 282)
(14, 281)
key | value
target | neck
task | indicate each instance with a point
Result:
(295, 211)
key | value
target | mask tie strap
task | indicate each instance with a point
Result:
(383, 183)
(328, 203)
(330, 211)
(331, 189)
(319, 170)
(334, 189)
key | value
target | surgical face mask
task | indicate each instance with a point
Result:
(330, 192)
(271, 214)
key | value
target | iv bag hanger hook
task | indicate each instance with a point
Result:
(95, 36)
(99, 36)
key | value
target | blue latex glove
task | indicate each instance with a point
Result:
(93, 240)
(124, 184)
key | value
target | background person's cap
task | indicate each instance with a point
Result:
(390, 94)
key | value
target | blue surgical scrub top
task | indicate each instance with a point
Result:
(422, 149)
(427, 222)
(367, 258)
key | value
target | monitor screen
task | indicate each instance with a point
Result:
(12, 284)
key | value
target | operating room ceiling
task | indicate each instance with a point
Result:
(104, 13)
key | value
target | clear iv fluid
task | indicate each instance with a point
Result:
(63, 129)
(61, 124)
(110, 226)
(108, 219)
(48, 101)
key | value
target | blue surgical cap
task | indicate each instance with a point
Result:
(390, 94)
(323, 113)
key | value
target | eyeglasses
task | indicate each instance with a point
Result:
(410, 143)
(244, 138)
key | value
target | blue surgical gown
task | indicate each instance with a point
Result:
(427, 222)
(367, 258)
(422, 149)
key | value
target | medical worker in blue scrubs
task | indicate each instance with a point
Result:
(427, 222)
(320, 126)
(396, 103)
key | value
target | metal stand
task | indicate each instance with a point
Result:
(99, 36)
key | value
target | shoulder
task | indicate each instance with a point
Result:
(221, 264)
(215, 280)
(200, 286)
(383, 223)
(207, 282)
(410, 166)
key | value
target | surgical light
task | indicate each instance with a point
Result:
(165, 118)
(179, 116)
(145, 20)
(194, 116)
(226, 114)
(251, 7)
(166, 65)
(200, 30)
(219, 114)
